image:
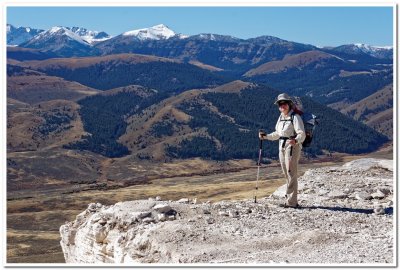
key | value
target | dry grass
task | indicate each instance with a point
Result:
(381, 99)
(289, 61)
(35, 89)
(38, 239)
(138, 136)
(33, 223)
(80, 62)
(375, 110)
(33, 247)
(382, 122)
(204, 66)
(24, 122)
(344, 73)
(340, 105)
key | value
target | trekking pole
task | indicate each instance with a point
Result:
(290, 158)
(258, 165)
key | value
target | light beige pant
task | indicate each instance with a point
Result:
(289, 165)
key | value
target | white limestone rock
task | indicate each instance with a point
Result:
(363, 196)
(378, 195)
(341, 226)
(184, 200)
(162, 208)
(337, 195)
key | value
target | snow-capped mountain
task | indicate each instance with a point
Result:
(157, 32)
(58, 31)
(215, 37)
(89, 36)
(383, 52)
(376, 51)
(16, 36)
(160, 40)
(59, 40)
(369, 48)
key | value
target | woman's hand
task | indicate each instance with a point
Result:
(292, 142)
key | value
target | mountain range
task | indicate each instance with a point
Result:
(27, 37)
(363, 67)
(18, 35)
(90, 115)
(186, 92)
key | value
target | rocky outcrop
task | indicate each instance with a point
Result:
(345, 217)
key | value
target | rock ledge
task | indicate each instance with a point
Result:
(346, 217)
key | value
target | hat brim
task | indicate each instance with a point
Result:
(287, 100)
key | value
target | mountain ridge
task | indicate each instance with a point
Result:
(167, 33)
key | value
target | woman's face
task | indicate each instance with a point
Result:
(283, 107)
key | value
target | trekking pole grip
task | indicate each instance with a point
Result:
(260, 143)
(261, 131)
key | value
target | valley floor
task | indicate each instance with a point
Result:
(33, 222)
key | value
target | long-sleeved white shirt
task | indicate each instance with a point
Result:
(287, 129)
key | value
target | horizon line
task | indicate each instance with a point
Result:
(227, 35)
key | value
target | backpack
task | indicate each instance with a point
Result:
(310, 120)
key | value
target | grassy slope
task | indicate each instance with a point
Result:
(39, 88)
(375, 110)
(49, 124)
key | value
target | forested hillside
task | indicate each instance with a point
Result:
(329, 83)
(103, 116)
(164, 76)
(253, 109)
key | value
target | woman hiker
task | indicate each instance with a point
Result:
(289, 130)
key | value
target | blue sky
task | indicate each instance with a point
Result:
(321, 26)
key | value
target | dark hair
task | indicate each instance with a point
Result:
(286, 102)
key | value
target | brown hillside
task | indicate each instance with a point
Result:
(39, 88)
(137, 89)
(345, 73)
(80, 62)
(369, 106)
(340, 105)
(204, 66)
(382, 122)
(289, 61)
(232, 87)
(375, 110)
(44, 125)
(142, 142)
(14, 62)
(16, 104)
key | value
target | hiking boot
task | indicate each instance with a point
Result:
(285, 205)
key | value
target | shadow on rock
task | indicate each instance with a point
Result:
(388, 211)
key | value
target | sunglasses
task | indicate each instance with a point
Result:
(282, 103)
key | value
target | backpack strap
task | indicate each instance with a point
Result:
(292, 116)
(291, 119)
(284, 139)
(285, 120)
